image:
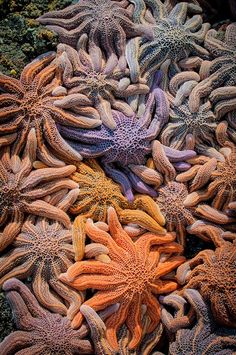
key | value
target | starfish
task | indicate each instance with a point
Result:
(219, 178)
(174, 39)
(42, 251)
(187, 130)
(212, 272)
(106, 22)
(202, 337)
(129, 144)
(39, 331)
(86, 73)
(28, 102)
(98, 192)
(101, 344)
(221, 72)
(138, 272)
(24, 191)
(170, 200)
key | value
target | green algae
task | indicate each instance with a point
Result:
(6, 318)
(22, 38)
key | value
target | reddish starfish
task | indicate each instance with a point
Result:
(213, 273)
(24, 191)
(42, 251)
(138, 268)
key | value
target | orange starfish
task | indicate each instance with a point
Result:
(98, 192)
(133, 277)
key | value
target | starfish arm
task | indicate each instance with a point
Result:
(161, 161)
(140, 186)
(169, 265)
(30, 71)
(177, 155)
(203, 175)
(132, 53)
(50, 188)
(194, 23)
(142, 219)
(44, 295)
(98, 330)
(148, 175)
(179, 13)
(84, 135)
(121, 179)
(47, 174)
(24, 303)
(56, 141)
(133, 322)
(15, 341)
(104, 108)
(21, 271)
(10, 231)
(114, 322)
(41, 208)
(11, 258)
(12, 85)
(153, 311)
(213, 215)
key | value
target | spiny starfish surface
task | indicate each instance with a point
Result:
(39, 331)
(129, 144)
(170, 200)
(28, 102)
(42, 251)
(202, 337)
(24, 191)
(98, 192)
(106, 22)
(187, 130)
(222, 70)
(86, 73)
(213, 273)
(174, 38)
(131, 278)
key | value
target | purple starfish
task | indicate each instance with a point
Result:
(128, 146)
(40, 331)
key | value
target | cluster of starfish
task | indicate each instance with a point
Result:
(116, 153)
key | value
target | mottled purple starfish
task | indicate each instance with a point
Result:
(39, 331)
(129, 144)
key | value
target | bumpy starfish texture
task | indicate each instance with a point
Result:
(213, 274)
(170, 200)
(98, 192)
(174, 38)
(203, 336)
(106, 22)
(42, 251)
(101, 344)
(24, 191)
(222, 70)
(28, 102)
(87, 76)
(39, 331)
(187, 130)
(130, 143)
(138, 268)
